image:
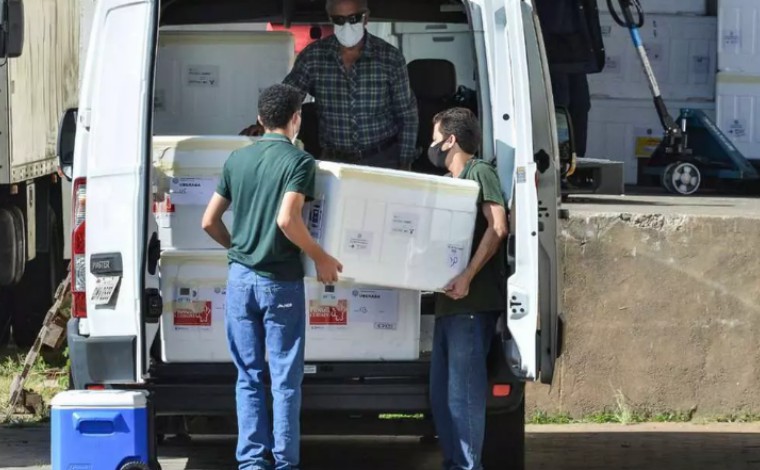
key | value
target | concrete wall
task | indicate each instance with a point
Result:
(663, 309)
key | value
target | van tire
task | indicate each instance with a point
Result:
(36, 291)
(504, 443)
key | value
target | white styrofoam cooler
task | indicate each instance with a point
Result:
(359, 323)
(187, 171)
(738, 106)
(739, 36)
(393, 228)
(682, 51)
(208, 82)
(673, 7)
(627, 130)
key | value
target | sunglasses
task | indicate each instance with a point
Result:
(339, 20)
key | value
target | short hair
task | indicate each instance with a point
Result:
(462, 124)
(362, 4)
(278, 104)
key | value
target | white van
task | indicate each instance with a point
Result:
(114, 336)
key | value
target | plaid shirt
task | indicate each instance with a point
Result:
(366, 106)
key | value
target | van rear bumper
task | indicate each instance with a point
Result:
(100, 360)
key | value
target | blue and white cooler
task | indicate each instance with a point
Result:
(103, 430)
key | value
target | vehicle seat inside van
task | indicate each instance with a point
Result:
(434, 83)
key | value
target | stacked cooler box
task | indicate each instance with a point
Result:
(738, 82)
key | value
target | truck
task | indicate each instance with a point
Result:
(38, 81)
(105, 148)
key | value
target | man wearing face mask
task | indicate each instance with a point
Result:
(467, 313)
(267, 184)
(367, 112)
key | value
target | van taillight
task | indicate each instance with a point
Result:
(79, 270)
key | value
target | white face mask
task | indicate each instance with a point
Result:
(349, 35)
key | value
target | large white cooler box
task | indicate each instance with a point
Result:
(629, 130)
(208, 82)
(739, 36)
(359, 323)
(738, 107)
(187, 171)
(393, 228)
(682, 51)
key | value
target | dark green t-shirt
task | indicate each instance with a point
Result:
(255, 179)
(488, 287)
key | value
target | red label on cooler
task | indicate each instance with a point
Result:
(325, 315)
(193, 314)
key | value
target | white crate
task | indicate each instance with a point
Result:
(368, 323)
(629, 130)
(673, 7)
(208, 82)
(682, 51)
(393, 228)
(738, 106)
(739, 36)
(186, 174)
(362, 323)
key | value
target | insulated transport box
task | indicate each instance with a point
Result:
(356, 323)
(738, 107)
(682, 51)
(186, 174)
(103, 429)
(739, 36)
(208, 82)
(629, 130)
(393, 228)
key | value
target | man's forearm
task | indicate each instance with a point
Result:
(488, 247)
(219, 233)
(408, 137)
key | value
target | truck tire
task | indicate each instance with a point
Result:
(5, 318)
(36, 291)
(504, 444)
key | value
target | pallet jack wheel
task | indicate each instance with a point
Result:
(667, 178)
(686, 178)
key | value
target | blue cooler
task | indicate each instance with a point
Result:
(100, 430)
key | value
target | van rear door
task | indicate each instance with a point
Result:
(509, 95)
(113, 154)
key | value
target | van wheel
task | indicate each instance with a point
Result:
(36, 291)
(504, 444)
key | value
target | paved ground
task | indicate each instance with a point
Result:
(587, 447)
(644, 202)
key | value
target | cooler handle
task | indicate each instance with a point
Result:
(97, 422)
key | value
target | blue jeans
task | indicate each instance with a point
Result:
(459, 386)
(265, 313)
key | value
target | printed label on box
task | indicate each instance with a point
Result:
(376, 306)
(358, 242)
(732, 38)
(456, 257)
(405, 223)
(612, 64)
(314, 218)
(192, 190)
(737, 130)
(326, 315)
(195, 313)
(203, 76)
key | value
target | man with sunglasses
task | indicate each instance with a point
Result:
(367, 111)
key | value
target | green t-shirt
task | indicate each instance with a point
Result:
(488, 287)
(255, 179)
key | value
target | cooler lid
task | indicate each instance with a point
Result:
(100, 399)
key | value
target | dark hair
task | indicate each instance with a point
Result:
(278, 104)
(462, 124)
